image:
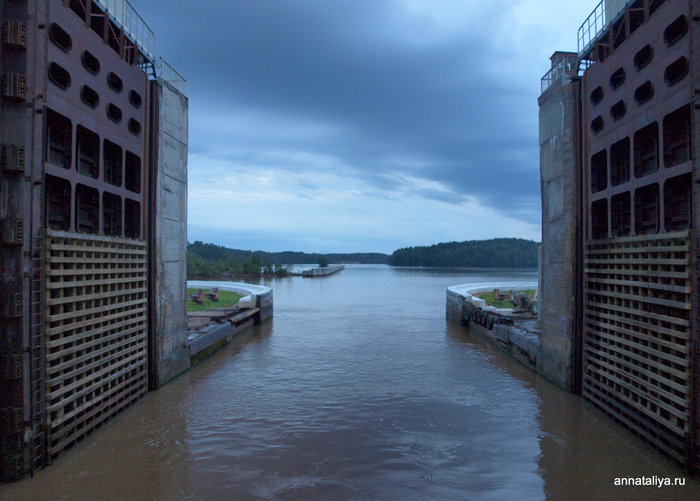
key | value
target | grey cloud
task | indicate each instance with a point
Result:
(357, 66)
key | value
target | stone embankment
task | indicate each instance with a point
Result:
(210, 330)
(515, 333)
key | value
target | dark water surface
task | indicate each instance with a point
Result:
(358, 389)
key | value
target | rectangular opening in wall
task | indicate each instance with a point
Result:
(646, 150)
(620, 214)
(113, 37)
(97, 21)
(602, 46)
(654, 5)
(58, 203)
(132, 174)
(676, 127)
(59, 136)
(620, 162)
(599, 219)
(112, 214)
(619, 32)
(87, 209)
(87, 146)
(78, 6)
(646, 210)
(677, 203)
(112, 163)
(636, 13)
(130, 54)
(599, 171)
(132, 219)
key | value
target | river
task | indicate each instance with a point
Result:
(358, 389)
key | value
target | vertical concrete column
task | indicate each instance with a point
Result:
(559, 357)
(168, 240)
(694, 452)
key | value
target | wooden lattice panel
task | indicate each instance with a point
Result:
(96, 332)
(636, 364)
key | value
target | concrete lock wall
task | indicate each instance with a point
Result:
(560, 185)
(263, 295)
(170, 353)
(218, 335)
(518, 340)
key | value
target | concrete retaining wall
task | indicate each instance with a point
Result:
(561, 232)
(520, 340)
(216, 337)
(168, 235)
(219, 336)
(262, 293)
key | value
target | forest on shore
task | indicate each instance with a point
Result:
(215, 261)
(493, 253)
(211, 260)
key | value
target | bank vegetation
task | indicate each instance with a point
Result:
(494, 253)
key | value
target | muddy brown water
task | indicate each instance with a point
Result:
(359, 389)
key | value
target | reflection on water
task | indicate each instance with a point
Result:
(358, 389)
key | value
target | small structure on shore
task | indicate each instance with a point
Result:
(323, 271)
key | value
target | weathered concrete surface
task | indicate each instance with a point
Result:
(560, 186)
(322, 271)
(264, 302)
(202, 344)
(210, 339)
(458, 296)
(520, 340)
(264, 295)
(169, 234)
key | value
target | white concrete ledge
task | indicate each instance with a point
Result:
(468, 291)
(261, 294)
(240, 287)
(215, 336)
(517, 340)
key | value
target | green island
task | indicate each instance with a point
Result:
(226, 298)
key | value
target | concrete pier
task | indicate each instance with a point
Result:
(516, 334)
(323, 271)
(207, 340)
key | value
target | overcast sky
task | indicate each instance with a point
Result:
(362, 125)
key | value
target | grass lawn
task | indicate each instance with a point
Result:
(226, 298)
(501, 303)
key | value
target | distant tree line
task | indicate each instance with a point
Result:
(494, 253)
(197, 267)
(211, 260)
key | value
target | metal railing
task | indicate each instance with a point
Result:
(170, 75)
(123, 14)
(564, 66)
(591, 28)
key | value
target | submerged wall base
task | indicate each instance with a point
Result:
(521, 339)
(203, 344)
